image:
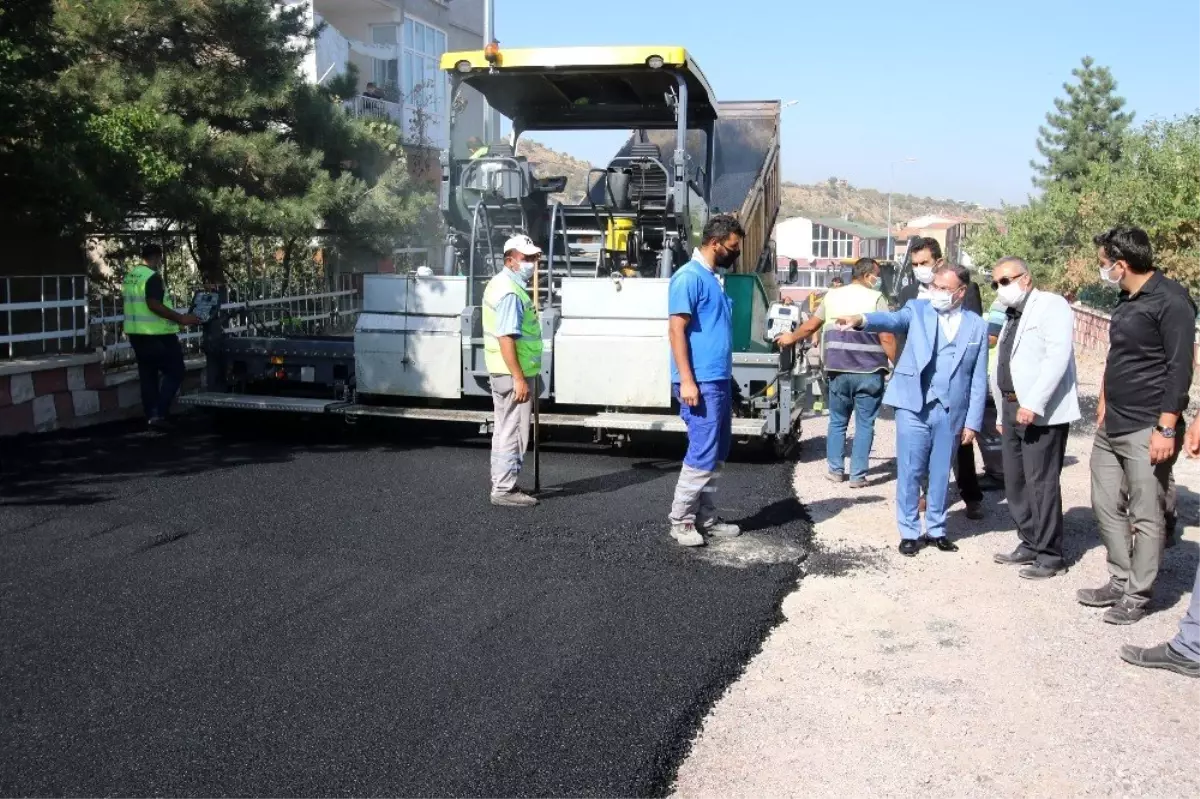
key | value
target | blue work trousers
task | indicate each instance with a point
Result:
(860, 395)
(709, 425)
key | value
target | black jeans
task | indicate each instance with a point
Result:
(964, 465)
(160, 368)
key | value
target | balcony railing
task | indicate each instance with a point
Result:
(362, 106)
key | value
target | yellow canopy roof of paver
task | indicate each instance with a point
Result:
(561, 88)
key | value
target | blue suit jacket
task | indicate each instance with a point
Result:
(918, 321)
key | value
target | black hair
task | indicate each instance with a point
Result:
(928, 243)
(152, 251)
(1128, 244)
(864, 267)
(721, 227)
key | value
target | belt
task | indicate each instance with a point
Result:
(1009, 396)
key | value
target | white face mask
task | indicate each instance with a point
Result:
(923, 274)
(1011, 295)
(941, 300)
(525, 271)
(1106, 275)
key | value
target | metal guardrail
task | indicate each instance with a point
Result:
(48, 314)
(253, 309)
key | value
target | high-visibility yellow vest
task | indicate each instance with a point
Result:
(529, 344)
(139, 319)
(851, 350)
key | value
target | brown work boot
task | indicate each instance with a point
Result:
(1106, 596)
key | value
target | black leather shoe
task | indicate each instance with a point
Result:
(989, 483)
(943, 543)
(1040, 571)
(910, 547)
(1018, 557)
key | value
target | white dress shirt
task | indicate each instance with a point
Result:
(949, 322)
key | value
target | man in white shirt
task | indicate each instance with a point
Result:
(1035, 389)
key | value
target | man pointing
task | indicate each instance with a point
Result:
(938, 389)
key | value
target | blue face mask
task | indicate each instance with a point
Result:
(525, 271)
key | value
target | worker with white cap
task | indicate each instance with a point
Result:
(512, 351)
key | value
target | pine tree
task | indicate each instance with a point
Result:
(193, 113)
(1085, 128)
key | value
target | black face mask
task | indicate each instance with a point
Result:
(727, 258)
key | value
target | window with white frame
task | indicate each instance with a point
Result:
(385, 72)
(829, 242)
(424, 85)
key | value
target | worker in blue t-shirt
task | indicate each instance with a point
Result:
(701, 333)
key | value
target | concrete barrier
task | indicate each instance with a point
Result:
(38, 395)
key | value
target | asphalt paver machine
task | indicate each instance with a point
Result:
(601, 290)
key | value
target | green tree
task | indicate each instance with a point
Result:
(195, 115)
(41, 134)
(1085, 128)
(1154, 185)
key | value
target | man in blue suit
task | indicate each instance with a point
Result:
(938, 388)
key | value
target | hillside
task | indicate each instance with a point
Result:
(547, 162)
(833, 198)
(836, 198)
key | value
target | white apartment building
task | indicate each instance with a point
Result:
(397, 44)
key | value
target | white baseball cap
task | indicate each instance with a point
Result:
(522, 244)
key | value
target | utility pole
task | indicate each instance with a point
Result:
(891, 181)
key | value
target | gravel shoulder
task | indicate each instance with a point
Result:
(946, 674)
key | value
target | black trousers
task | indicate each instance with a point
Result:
(1033, 463)
(160, 369)
(965, 476)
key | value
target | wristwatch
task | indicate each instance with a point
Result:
(1165, 432)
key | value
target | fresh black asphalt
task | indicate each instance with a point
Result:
(302, 612)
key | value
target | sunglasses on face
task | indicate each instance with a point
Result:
(1004, 281)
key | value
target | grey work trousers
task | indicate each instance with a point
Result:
(510, 432)
(1170, 505)
(1187, 642)
(694, 495)
(1121, 468)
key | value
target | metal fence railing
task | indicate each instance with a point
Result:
(267, 307)
(43, 315)
(362, 106)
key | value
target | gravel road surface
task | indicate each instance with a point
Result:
(299, 614)
(946, 674)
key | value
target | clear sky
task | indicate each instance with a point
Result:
(960, 86)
